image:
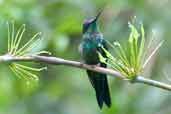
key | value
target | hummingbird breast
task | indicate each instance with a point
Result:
(90, 47)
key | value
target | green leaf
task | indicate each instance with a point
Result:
(128, 61)
(14, 49)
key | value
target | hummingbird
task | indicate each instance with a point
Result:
(91, 44)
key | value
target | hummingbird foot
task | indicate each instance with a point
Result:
(93, 66)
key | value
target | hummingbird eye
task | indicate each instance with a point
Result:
(85, 27)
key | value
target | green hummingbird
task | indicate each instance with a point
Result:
(91, 44)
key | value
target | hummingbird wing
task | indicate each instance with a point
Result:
(100, 84)
(99, 81)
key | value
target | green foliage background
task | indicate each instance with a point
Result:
(66, 90)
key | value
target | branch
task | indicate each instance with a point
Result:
(59, 61)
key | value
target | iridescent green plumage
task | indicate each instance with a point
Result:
(91, 44)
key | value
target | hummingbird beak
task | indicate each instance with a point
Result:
(97, 16)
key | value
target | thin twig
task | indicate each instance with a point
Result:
(154, 83)
(60, 61)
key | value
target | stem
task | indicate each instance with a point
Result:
(60, 61)
(154, 83)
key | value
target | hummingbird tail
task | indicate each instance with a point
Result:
(100, 84)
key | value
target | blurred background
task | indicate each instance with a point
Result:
(66, 90)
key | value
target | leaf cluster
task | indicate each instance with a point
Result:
(132, 58)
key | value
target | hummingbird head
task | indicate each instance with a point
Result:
(90, 24)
